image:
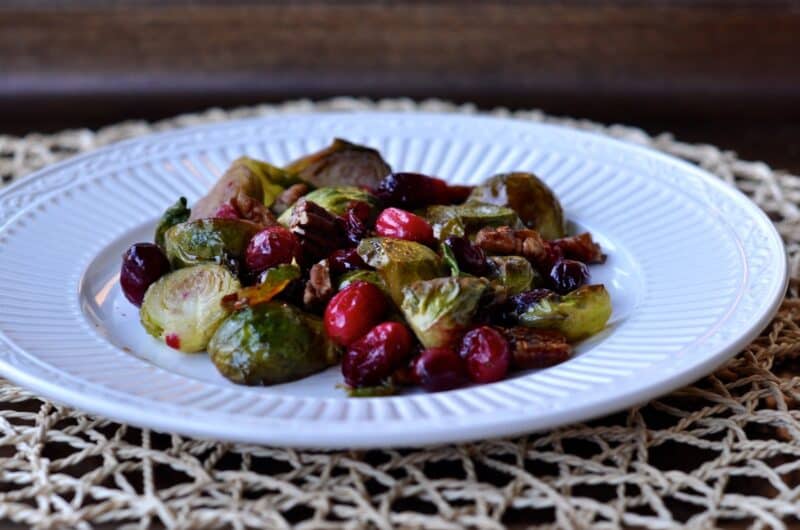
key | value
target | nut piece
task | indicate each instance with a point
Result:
(319, 231)
(508, 241)
(319, 289)
(288, 197)
(536, 348)
(581, 247)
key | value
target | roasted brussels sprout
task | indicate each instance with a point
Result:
(183, 308)
(334, 199)
(175, 214)
(466, 219)
(514, 273)
(215, 240)
(238, 194)
(578, 315)
(400, 263)
(440, 310)
(526, 194)
(342, 163)
(271, 343)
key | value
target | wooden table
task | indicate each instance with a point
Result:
(720, 72)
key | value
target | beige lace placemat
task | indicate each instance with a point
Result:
(723, 451)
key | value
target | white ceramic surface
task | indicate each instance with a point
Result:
(695, 271)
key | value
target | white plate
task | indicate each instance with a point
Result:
(695, 270)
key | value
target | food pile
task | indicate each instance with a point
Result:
(401, 278)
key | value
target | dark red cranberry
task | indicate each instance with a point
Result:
(400, 224)
(486, 354)
(372, 358)
(272, 246)
(142, 265)
(457, 194)
(470, 257)
(439, 369)
(345, 260)
(353, 311)
(356, 221)
(567, 275)
(411, 190)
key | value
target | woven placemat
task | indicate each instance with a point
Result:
(725, 450)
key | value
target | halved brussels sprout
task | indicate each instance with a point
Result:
(342, 163)
(271, 343)
(514, 273)
(183, 308)
(526, 194)
(578, 315)
(238, 193)
(466, 219)
(204, 240)
(334, 199)
(175, 214)
(440, 310)
(400, 263)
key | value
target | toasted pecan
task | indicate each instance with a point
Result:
(505, 240)
(536, 348)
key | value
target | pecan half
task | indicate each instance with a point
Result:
(581, 247)
(536, 348)
(288, 197)
(319, 231)
(319, 288)
(505, 240)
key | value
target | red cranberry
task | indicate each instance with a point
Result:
(353, 311)
(272, 246)
(457, 194)
(356, 219)
(471, 258)
(400, 224)
(411, 190)
(439, 369)
(372, 358)
(486, 353)
(142, 264)
(567, 275)
(345, 260)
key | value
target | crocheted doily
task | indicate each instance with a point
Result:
(724, 450)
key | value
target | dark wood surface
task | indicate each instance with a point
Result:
(715, 71)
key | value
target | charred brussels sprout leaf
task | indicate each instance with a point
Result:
(183, 308)
(514, 273)
(440, 310)
(334, 199)
(175, 214)
(449, 258)
(526, 194)
(204, 240)
(342, 163)
(578, 315)
(365, 276)
(269, 344)
(400, 263)
(270, 285)
(466, 219)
